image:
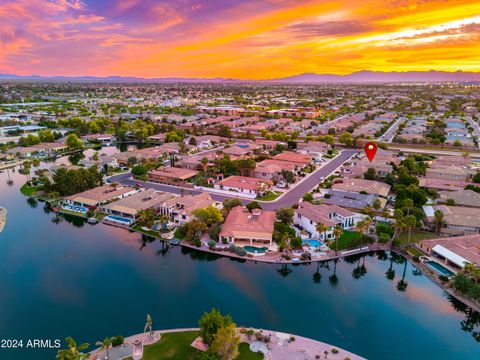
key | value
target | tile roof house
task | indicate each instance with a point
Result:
(131, 206)
(361, 185)
(170, 175)
(458, 219)
(180, 208)
(253, 228)
(454, 251)
(462, 197)
(271, 169)
(300, 160)
(307, 216)
(99, 195)
(244, 185)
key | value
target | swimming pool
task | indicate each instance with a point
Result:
(255, 250)
(439, 269)
(80, 209)
(312, 242)
(119, 219)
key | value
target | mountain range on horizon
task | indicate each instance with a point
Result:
(364, 76)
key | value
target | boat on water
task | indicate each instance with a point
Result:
(92, 220)
(3, 218)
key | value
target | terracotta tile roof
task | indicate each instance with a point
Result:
(467, 246)
(240, 223)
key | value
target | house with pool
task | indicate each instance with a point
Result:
(95, 197)
(250, 229)
(180, 208)
(124, 212)
(452, 253)
(307, 216)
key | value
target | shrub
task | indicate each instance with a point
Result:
(240, 251)
(443, 278)
(416, 258)
(232, 248)
(334, 351)
(383, 238)
(198, 243)
(214, 231)
(211, 244)
(117, 340)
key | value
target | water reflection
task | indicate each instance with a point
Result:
(32, 202)
(471, 323)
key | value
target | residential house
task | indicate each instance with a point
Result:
(243, 227)
(99, 196)
(171, 175)
(180, 208)
(244, 185)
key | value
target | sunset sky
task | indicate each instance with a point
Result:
(249, 39)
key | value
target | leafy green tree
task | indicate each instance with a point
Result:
(210, 322)
(253, 205)
(439, 219)
(193, 230)
(73, 142)
(370, 174)
(208, 215)
(308, 197)
(225, 342)
(73, 352)
(285, 215)
(229, 204)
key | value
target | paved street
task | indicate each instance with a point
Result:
(287, 200)
(390, 133)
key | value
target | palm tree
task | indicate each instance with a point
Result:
(408, 203)
(73, 352)
(321, 228)
(105, 345)
(337, 233)
(399, 224)
(410, 223)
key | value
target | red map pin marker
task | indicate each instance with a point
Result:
(370, 150)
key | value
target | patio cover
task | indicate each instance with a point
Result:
(450, 255)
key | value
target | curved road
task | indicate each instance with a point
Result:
(290, 198)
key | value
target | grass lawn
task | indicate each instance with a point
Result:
(269, 196)
(414, 251)
(176, 346)
(73, 213)
(29, 190)
(416, 237)
(153, 233)
(347, 240)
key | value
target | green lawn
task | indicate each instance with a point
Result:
(414, 251)
(416, 237)
(29, 190)
(176, 346)
(153, 233)
(269, 196)
(347, 240)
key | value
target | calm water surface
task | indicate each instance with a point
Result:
(68, 278)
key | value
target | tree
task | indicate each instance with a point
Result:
(193, 230)
(308, 197)
(321, 228)
(225, 342)
(377, 204)
(208, 215)
(370, 174)
(73, 142)
(399, 224)
(439, 219)
(285, 215)
(224, 131)
(105, 345)
(288, 176)
(337, 233)
(229, 204)
(210, 322)
(476, 178)
(73, 352)
(253, 205)
(410, 223)
(147, 217)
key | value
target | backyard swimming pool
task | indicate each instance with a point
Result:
(79, 209)
(119, 219)
(312, 242)
(255, 250)
(439, 269)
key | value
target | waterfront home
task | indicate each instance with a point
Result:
(460, 198)
(271, 169)
(131, 206)
(454, 251)
(351, 200)
(362, 186)
(171, 175)
(180, 208)
(308, 216)
(98, 196)
(458, 220)
(245, 185)
(243, 227)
